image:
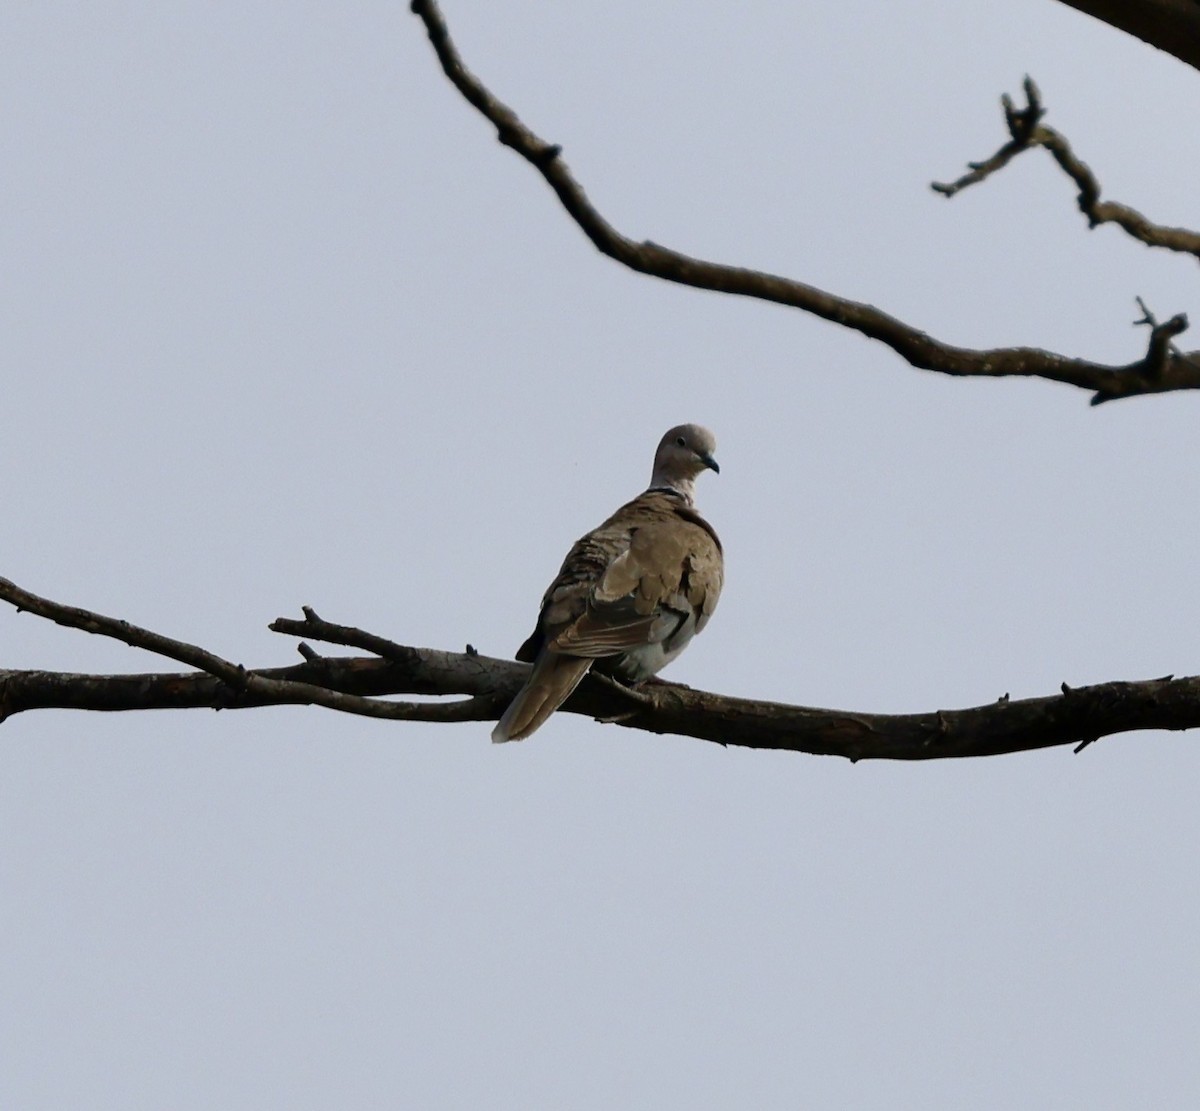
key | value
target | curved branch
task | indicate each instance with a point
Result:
(918, 348)
(1076, 716)
(1171, 25)
(1026, 132)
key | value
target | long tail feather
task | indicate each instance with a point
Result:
(554, 678)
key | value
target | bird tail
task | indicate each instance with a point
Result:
(554, 678)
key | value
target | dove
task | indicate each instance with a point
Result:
(631, 593)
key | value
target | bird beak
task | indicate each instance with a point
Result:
(710, 463)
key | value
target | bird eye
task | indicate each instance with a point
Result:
(681, 441)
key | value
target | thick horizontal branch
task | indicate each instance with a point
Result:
(918, 348)
(1074, 717)
(1026, 131)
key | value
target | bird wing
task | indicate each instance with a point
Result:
(631, 582)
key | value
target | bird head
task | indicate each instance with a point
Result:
(683, 452)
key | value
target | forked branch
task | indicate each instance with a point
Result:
(921, 350)
(359, 685)
(1026, 131)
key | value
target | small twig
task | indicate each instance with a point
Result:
(977, 171)
(1023, 122)
(345, 635)
(1162, 348)
(1022, 127)
(1147, 317)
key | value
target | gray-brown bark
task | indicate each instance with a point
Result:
(1163, 369)
(360, 685)
(1171, 25)
(1026, 131)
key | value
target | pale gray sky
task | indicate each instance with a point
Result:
(285, 325)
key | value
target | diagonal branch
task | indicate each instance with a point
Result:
(1026, 131)
(235, 685)
(356, 685)
(921, 350)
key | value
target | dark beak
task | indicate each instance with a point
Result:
(710, 463)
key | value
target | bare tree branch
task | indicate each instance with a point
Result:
(236, 685)
(1171, 25)
(921, 350)
(356, 685)
(1026, 132)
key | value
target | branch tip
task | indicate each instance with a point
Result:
(1026, 130)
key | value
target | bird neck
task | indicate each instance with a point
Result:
(684, 487)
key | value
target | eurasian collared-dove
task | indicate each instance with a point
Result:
(631, 593)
